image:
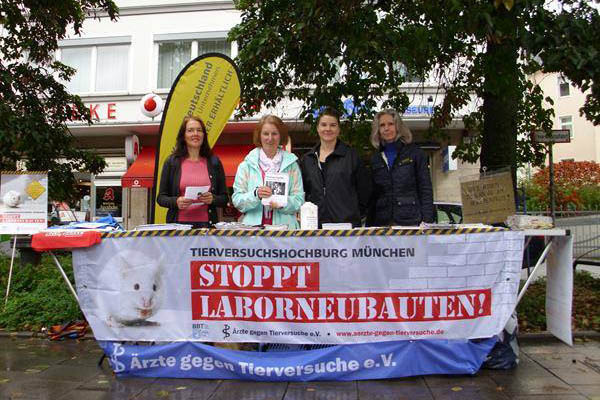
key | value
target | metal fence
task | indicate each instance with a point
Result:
(585, 228)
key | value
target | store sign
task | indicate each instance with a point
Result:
(115, 164)
(98, 111)
(418, 110)
(108, 201)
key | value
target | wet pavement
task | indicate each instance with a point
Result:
(39, 369)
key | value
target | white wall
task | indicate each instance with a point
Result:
(585, 144)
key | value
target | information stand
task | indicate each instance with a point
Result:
(393, 357)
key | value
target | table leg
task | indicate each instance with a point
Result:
(532, 275)
(66, 278)
(12, 261)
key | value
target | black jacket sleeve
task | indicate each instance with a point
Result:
(305, 178)
(364, 187)
(424, 187)
(220, 196)
(165, 197)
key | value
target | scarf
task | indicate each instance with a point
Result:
(270, 164)
(391, 151)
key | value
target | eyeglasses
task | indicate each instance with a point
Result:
(192, 130)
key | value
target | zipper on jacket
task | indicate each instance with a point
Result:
(322, 174)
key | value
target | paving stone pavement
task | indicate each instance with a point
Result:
(39, 369)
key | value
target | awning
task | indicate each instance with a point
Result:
(141, 172)
(231, 156)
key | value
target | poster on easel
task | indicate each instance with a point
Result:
(23, 202)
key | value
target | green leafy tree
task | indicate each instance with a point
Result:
(322, 52)
(34, 105)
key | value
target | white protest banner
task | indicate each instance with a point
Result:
(23, 202)
(299, 286)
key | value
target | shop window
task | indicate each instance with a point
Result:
(109, 201)
(101, 68)
(174, 55)
(567, 123)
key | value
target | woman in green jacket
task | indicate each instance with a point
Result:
(249, 188)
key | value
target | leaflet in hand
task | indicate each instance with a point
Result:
(278, 182)
(194, 192)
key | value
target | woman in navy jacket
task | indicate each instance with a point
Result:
(402, 191)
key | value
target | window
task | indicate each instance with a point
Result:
(111, 68)
(567, 123)
(409, 76)
(80, 59)
(563, 87)
(174, 55)
(102, 68)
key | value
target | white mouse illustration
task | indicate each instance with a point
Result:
(12, 198)
(139, 283)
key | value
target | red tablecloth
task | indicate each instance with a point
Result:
(54, 240)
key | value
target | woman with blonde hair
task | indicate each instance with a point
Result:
(249, 187)
(402, 190)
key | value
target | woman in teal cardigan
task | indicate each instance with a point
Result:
(249, 188)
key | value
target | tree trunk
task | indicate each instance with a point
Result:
(501, 97)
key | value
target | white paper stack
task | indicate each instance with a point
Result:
(343, 225)
(163, 227)
(309, 216)
(280, 227)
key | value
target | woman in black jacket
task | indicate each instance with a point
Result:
(333, 175)
(192, 164)
(402, 191)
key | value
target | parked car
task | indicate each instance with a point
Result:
(447, 213)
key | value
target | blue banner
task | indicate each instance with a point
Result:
(342, 363)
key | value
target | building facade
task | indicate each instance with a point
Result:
(119, 62)
(585, 137)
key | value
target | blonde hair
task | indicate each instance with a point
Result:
(402, 130)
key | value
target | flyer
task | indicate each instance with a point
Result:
(278, 182)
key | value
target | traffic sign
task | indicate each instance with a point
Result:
(556, 136)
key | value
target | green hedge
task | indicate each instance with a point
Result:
(38, 295)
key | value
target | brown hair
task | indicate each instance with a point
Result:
(331, 112)
(181, 150)
(270, 119)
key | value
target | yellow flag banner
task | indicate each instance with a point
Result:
(208, 87)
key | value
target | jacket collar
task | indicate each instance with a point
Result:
(340, 150)
(399, 145)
